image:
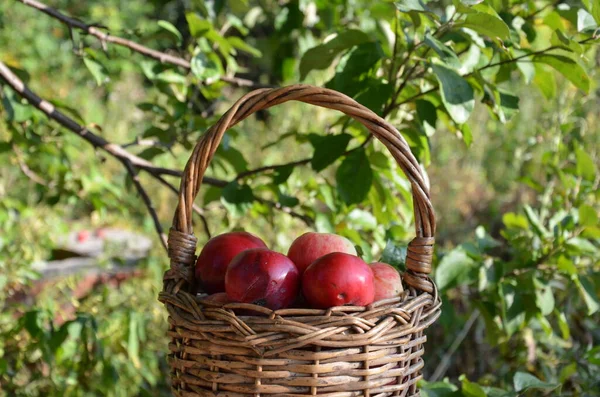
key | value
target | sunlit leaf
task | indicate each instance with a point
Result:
(453, 267)
(568, 68)
(168, 26)
(354, 177)
(457, 93)
(524, 381)
(328, 149)
(97, 70)
(321, 56)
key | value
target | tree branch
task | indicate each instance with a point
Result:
(136, 181)
(95, 140)
(104, 37)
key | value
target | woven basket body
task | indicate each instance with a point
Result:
(243, 350)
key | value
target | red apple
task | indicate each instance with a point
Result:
(338, 279)
(311, 246)
(388, 283)
(263, 277)
(217, 253)
(83, 236)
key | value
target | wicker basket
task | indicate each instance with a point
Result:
(221, 350)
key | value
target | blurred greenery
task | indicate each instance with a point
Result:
(497, 99)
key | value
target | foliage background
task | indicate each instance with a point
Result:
(511, 151)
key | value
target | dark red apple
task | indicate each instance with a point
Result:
(388, 283)
(217, 253)
(263, 277)
(311, 246)
(338, 279)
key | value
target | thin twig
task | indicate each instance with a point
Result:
(442, 367)
(147, 201)
(132, 45)
(273, 167)
(28, 172)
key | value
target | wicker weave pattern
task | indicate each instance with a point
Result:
(242, 350)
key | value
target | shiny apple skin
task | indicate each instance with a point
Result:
(311, 246)
(216, 255)
(262, 277)
(338, 279)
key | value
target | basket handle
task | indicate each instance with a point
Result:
(182, 243)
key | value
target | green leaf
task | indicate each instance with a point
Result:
(354, 177)
(204, 67)
(588, 216)
(544, 298)
(133, 342)
(437, 389)
(568, 68)
(353, 65)
(453, 268)
(412, 5)
(321, 56)
(585, 21)
(524, 381)
(588, 293)
(535, 222)
(513, 306)
(560, 40)
(457, 93)
(563, 324)
(168, 26)
(581, 245)
(545, 81)
(170, 76)
(394, 255)
(375, 96)
(287, 201)
(240, 44)
(233, 157)
(328, 149)
(446, 53)
(198, 26)
(471, 389)
(566, 265)
(586, 168)
(212, 193)
(427, 114)
(237, 198)
(593, 355)
(593, 6)
(97, 70)
(487, 24)
(282, 174)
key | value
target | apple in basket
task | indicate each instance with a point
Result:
(388, 283)
(216, 255)
(311, 246)
(262, 277)
(338, 279)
